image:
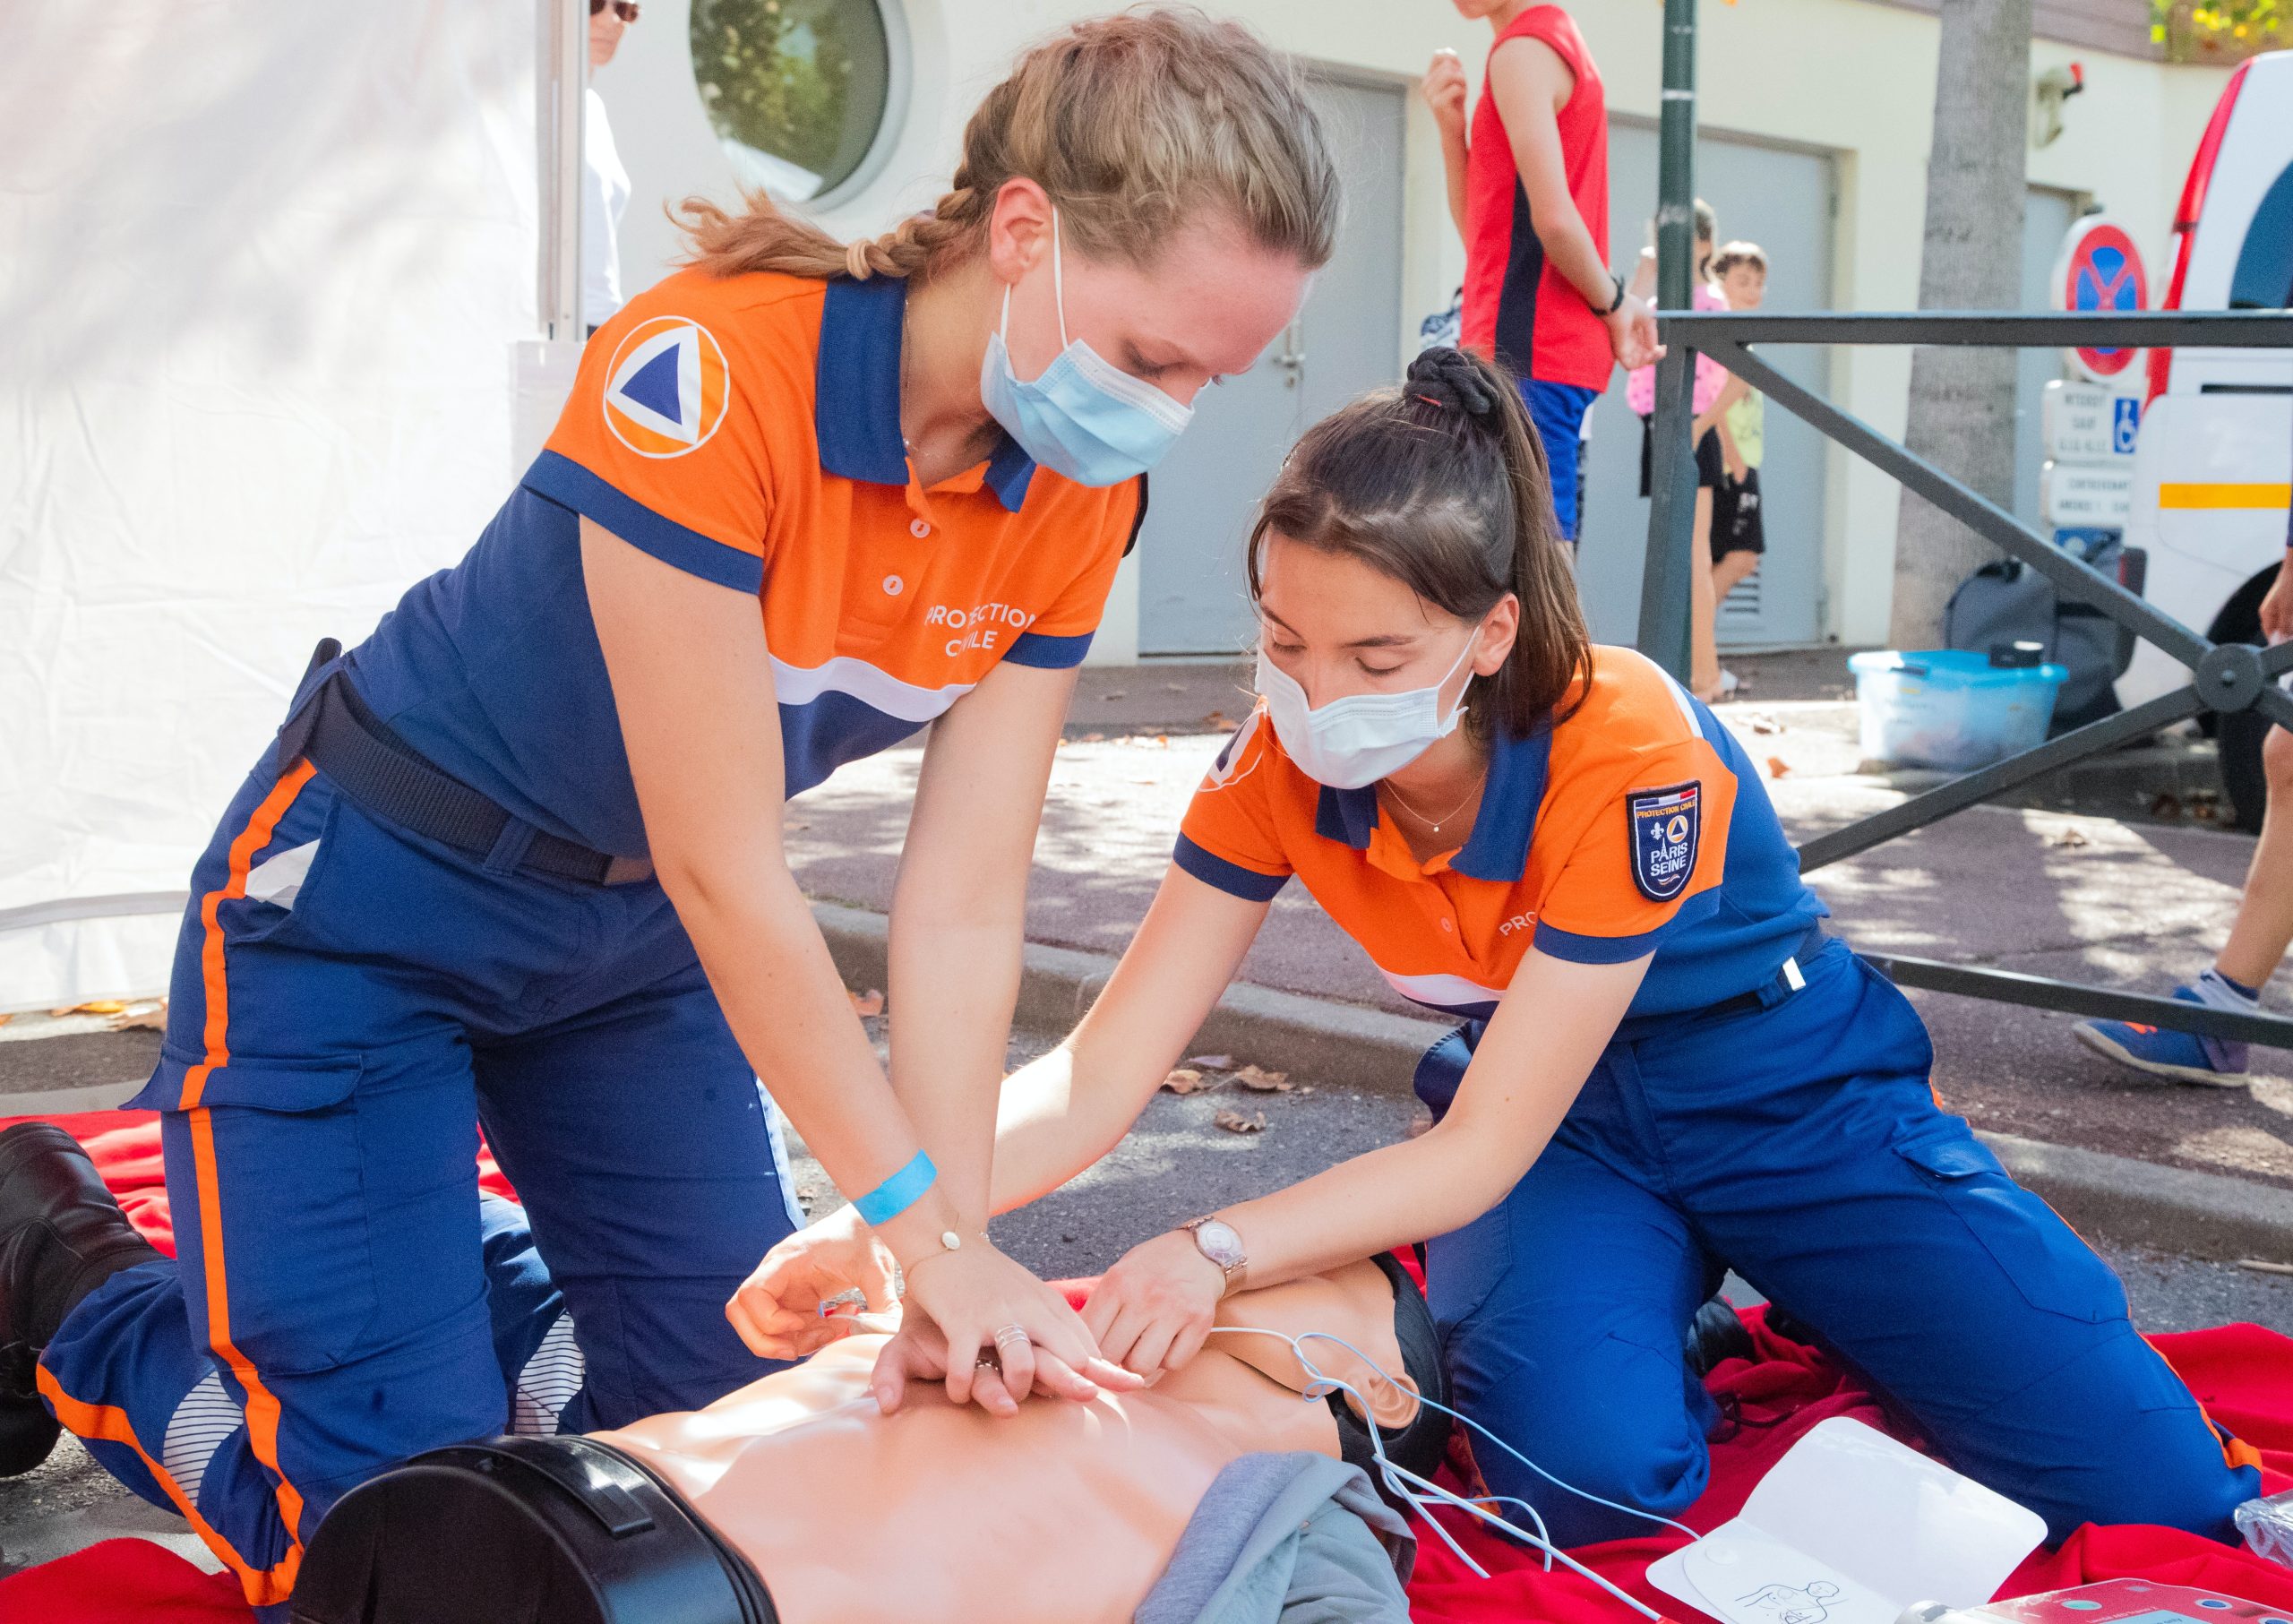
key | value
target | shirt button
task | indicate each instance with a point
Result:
(893, 585)
(1447, 926)
(918, 529)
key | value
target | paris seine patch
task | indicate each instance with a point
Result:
(1666, 824)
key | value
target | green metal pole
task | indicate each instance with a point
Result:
(1666, 594)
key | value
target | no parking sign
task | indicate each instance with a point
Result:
(2100, 271)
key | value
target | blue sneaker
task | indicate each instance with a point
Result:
(2183, 1056)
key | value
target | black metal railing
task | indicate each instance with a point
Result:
(2224, 677)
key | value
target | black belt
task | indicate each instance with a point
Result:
(1787, 974)
(332, 728)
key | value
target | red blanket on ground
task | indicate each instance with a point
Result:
(2243, 1375)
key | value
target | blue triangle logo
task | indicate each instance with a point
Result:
(654, 385)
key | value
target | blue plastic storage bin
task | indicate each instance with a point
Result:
(1950, 708)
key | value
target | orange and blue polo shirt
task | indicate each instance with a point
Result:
(1634, 825)
(746, 430)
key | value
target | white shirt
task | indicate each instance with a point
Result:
(605, 196)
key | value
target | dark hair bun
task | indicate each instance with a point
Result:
(1447, 377)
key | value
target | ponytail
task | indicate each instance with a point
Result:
(1442, 484)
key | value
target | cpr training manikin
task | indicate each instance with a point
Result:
(796, 1501)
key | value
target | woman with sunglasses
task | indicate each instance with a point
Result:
(516, 860)
(605, 183)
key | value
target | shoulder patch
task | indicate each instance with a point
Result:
(1666, 825)
(667, 387)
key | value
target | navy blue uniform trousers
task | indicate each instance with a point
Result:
(342, 1299)
(1800, 1144)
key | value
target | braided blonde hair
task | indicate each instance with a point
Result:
(1129, 123)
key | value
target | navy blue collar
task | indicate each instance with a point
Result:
(1497, 848)
(857, 417)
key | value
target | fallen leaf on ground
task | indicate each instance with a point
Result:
(1093, 738)
(2070, 838)
(2264, 1265)
(4, 1019)
(94, 1006)
(871, 1002)
(1212, 1062)
(1184, 1080)
(1236, 1122)
(1777, 767)
(1218, 721)
(1765, 723)
(1263, 1080)
(153, 1019)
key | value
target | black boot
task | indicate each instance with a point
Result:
(1716, 1332)
(61, 1236)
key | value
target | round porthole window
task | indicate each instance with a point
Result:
(803, 95)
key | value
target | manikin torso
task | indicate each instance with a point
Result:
(1064, 1514)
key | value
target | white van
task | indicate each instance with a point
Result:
(2213, 461)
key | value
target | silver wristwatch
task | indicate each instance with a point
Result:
(1215, 1240)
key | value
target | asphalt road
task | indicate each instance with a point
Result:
(1177, 1162)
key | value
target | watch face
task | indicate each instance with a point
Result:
(1219, 1243)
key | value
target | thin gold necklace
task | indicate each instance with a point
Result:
(1433, 825)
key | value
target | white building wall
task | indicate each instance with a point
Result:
(1849, 77)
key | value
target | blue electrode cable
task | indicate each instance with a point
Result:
(1399, 1478)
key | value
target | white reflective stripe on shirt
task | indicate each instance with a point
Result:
(859, 680)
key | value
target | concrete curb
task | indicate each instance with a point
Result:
(2201, 1214)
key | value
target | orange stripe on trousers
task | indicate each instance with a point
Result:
(109, 1424)
(262, 1404)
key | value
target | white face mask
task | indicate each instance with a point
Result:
(1361, 738)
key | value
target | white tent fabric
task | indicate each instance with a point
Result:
(260, 268)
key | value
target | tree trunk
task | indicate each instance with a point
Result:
(1962, 400)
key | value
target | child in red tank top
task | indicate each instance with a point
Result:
(1528, 189)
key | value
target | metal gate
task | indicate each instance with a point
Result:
(2224, 677)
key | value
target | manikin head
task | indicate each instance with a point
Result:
(1393, 1358)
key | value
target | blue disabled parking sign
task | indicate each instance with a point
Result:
(2125, 420)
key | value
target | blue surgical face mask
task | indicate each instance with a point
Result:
(1083, 416)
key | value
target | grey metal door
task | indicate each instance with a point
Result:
(1780, 198)
(1192, 594)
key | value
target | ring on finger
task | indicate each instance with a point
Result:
(987, 1361)
(1011, 1336)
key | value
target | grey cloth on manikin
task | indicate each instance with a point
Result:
(1297, 1538)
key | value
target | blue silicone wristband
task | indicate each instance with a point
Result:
(898, 1193)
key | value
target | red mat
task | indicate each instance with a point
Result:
(2242, 1374)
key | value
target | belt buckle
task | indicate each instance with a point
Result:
(627, 870)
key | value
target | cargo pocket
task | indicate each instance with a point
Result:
(285, 886)
(277, 1160)
(2053, 1269)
